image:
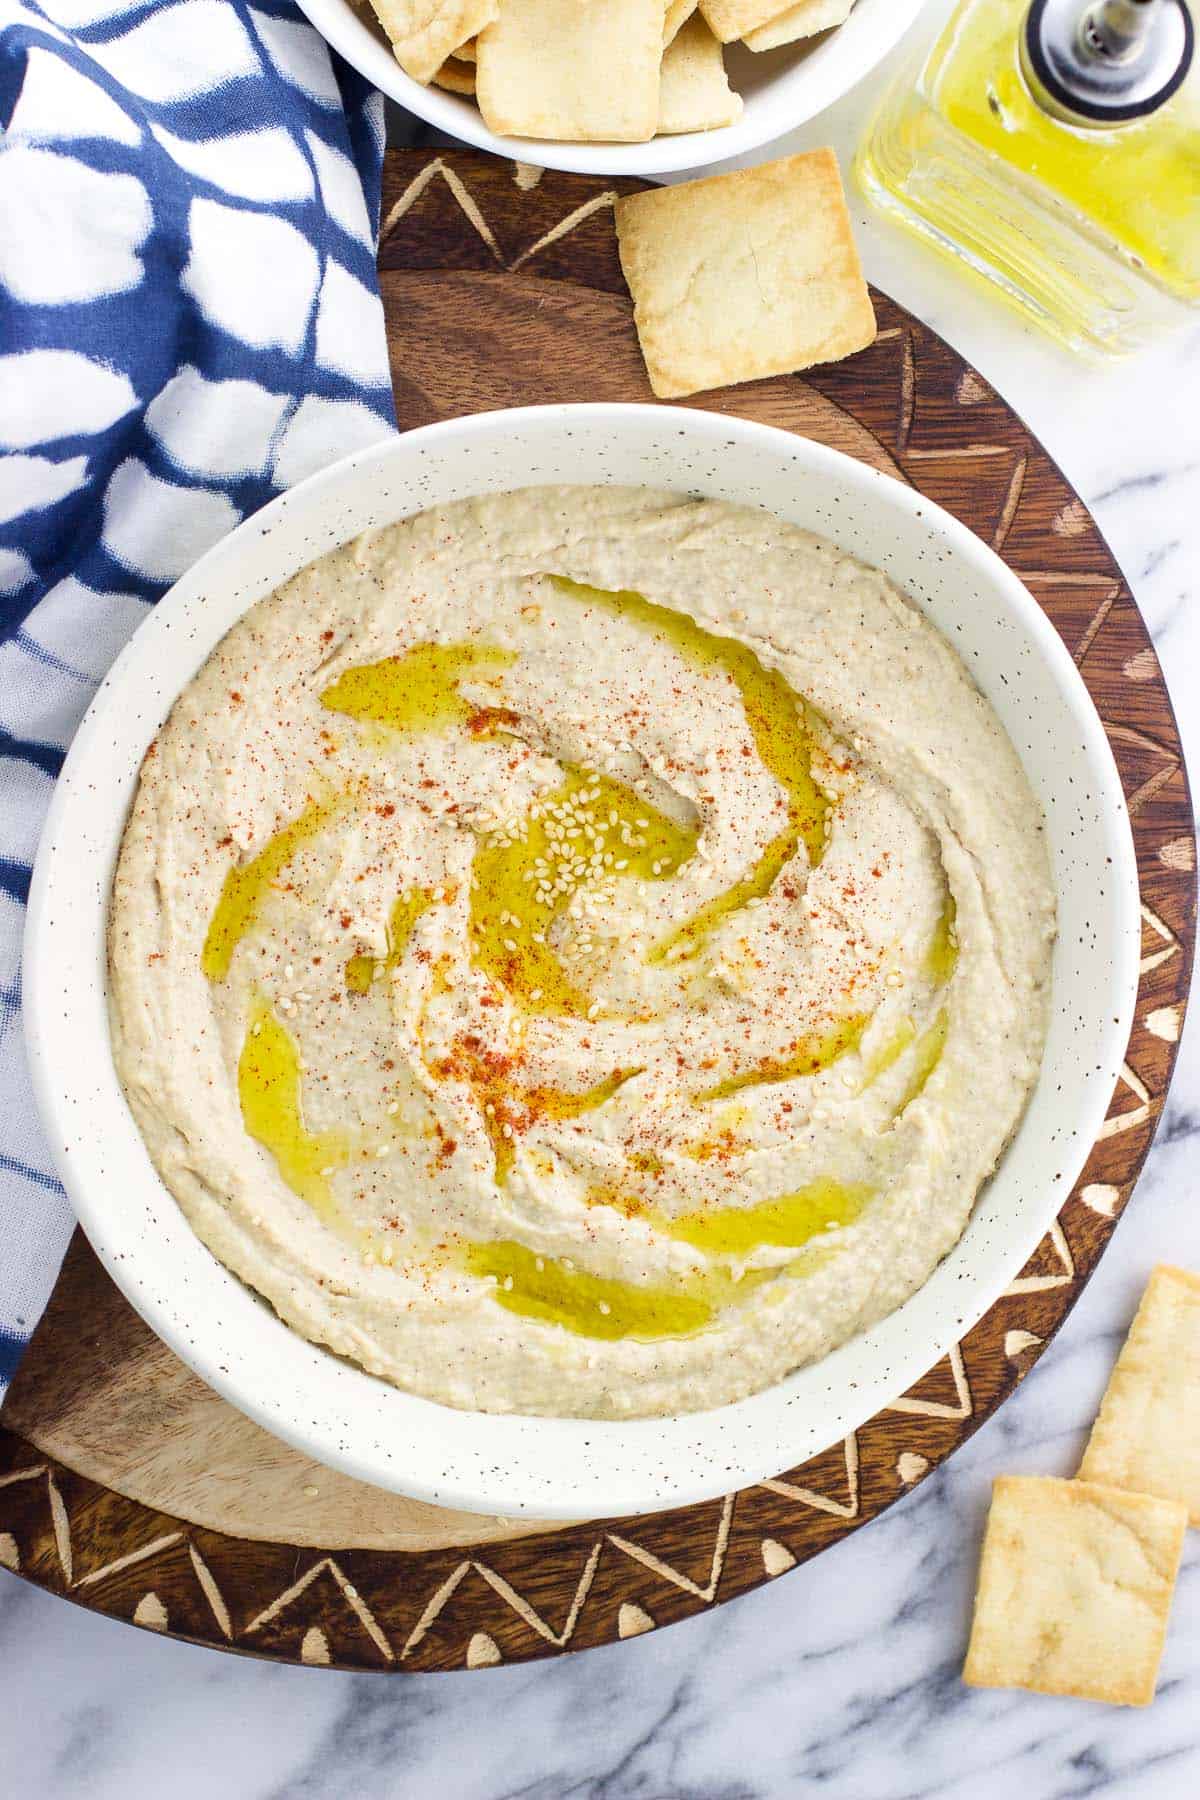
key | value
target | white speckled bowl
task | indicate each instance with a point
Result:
(781, 90)
(563, 1468)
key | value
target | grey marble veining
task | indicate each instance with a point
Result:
(841, 1678)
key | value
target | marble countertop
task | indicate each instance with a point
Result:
(841, 1678)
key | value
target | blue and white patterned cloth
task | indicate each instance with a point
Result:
(189, 322)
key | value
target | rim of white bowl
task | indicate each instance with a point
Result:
(509, 1488)
(825, 73)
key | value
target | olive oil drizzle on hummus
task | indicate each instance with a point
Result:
(926, 1057)
(782, 725)
(270, 1078)
(247, 885)
(786, 1223)
(555, 1290)
(541, 1287)
(416, 691)
(809, 1057)
(591, 828)
(362, 970)
(942, 954)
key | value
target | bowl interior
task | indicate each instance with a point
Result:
(562, 1467)
(781, 89)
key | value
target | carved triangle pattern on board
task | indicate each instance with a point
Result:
(131, 1558)
(598, 203)
(633, 1620)
(838, 1509)
(433, 1606)
(61, 1527)
(906, 403)
(527, 1612)
(483, 1652)
(212, 1593)
(940, 1409)
(1169, 761)
(1129, 1120)
(350, 1594)
(467, 203)
(59, 1521)
(657, 1566)
(150, 1613)
(970, 391)
(1041, 1284)
(984, 453)
(473, 213)
(1167, 942)
(523, 1608)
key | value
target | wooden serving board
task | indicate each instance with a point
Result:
(128, 1485)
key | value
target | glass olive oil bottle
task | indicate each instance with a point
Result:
(1054, 149)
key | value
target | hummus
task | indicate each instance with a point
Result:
(580, 952)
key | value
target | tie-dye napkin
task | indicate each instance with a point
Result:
(189, 322)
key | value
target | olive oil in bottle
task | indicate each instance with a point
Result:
(1053, 148)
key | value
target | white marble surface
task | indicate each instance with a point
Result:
(842, 1677)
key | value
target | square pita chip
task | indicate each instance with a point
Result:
(804, 20)
(731, 19)
(675, 13)
(695, 94)
(1147, 1433)
(1074, 1589)
(424, 33)
(744, 275)
(456, 76)
(572, 71)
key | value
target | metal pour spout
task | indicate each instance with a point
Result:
(1104, 62)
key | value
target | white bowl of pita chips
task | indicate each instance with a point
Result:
(633, 87)
(578, 1467)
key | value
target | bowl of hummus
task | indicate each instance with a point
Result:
(577, 952)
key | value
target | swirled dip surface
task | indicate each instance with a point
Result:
(580, 952)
